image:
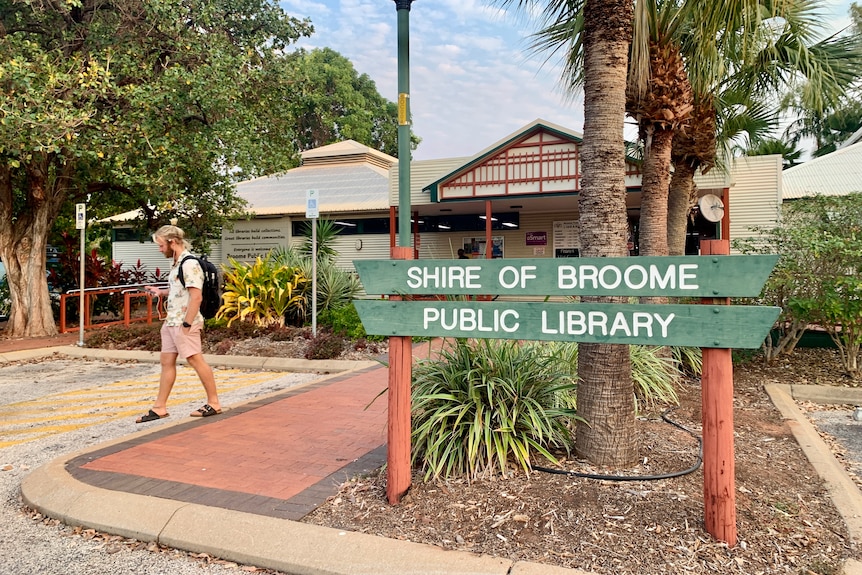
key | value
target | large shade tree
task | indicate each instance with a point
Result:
(332, 102)
(127, 103)
(150, 105)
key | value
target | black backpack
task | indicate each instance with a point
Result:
(211, 290)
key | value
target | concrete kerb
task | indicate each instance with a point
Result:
(287, 546)
(281, 544)
(231, 361)
(842, 490)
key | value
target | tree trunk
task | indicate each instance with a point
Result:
(654, 194)
(679, 206)
(30, 314)
(605, 391)
(24, 242)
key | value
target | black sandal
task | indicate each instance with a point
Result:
(206, 411)
(150, 416)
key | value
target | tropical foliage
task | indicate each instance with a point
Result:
(265, 293)
(486, 404)
(335, 287)
(818, 279)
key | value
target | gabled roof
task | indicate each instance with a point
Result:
(348, 176)
(494, 148)
(835, 174)
(562, 163)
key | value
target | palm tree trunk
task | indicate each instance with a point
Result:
(679, 206)
(654, 194)
(605, 391)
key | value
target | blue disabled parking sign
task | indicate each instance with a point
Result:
(311, 208)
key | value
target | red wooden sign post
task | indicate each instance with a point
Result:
(398, 474)
(719, 486)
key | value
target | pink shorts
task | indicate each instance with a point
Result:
(175, 341)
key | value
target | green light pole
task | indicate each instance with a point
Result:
(403, 8)
(398, 475)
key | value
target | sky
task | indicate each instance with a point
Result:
(473, 78)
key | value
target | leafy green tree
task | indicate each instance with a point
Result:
(818, 279)
(334, 102)
(150, 104)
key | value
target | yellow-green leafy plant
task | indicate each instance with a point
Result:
(264, 292)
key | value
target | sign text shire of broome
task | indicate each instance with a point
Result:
(675, 324)
(675, 276)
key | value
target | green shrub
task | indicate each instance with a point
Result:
(483, 404)
(335, 287)
(690, 360)
(344, 320)
(653, 376)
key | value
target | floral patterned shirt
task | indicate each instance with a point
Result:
(178, 296)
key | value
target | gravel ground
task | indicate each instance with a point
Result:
(30, 543)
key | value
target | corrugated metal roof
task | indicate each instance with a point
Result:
(352, 188)
(835, 174)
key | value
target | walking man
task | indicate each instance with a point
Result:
(181, 331)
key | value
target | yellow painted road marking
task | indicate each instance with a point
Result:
(62, 412)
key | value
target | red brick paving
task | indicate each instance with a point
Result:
(276, 450)
(280, 456)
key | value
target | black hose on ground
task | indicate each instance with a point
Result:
(670, 475)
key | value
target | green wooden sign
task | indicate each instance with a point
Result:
(674, 276)
(719, 326)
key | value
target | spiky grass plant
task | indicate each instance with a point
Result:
(654, 376)
(480, 406)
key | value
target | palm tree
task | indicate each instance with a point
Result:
(788, 151)
(660, 99)
(746, 66)
(603, 34)
(720, 118)
(604, 371)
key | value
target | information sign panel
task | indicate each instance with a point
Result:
(675, 276)
(743, 327)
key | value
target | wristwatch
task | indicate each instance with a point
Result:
(186, 324)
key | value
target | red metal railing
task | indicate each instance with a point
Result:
(127, 291)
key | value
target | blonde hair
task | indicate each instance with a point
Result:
(172, 233)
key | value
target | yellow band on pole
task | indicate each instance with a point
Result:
(402, 109)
